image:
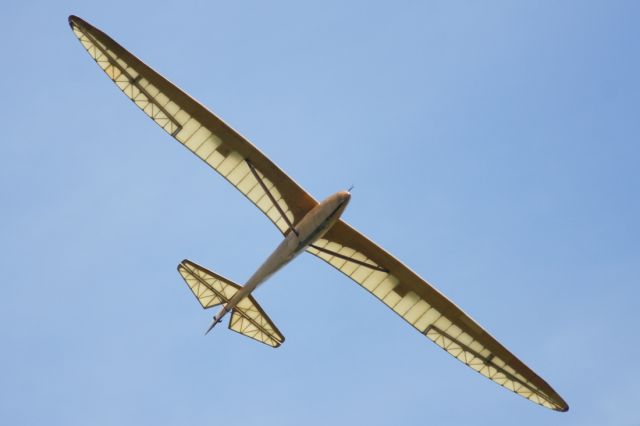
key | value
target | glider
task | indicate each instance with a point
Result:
(307, 225)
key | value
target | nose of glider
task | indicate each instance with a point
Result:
(344, 196)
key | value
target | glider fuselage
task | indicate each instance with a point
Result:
(312, 226)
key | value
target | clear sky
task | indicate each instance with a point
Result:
(494, 148)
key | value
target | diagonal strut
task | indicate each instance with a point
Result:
(350, 259)
(275, 203)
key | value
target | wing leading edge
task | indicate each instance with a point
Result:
(199, 130)
(430, 312)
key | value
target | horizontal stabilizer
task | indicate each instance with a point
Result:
(249, 319)
(209, 288)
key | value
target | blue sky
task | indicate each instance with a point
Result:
(494, 149)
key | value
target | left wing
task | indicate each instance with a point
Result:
(430, 312)
(281, 199)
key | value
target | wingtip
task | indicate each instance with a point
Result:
(563, 407)
(73, 20)
(185, 264)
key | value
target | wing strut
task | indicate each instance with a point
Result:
(273, 200)
(350, 259)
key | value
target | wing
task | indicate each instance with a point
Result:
(431, 313)
(282, 200)
(249, 319)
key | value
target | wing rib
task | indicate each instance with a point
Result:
(474, 359)
(135, 81)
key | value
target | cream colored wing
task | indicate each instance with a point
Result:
(249, 319)
(282, 200)
(430, 312)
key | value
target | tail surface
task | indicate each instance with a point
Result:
(247, 317)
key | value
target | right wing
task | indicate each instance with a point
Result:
(430, 312)
(281, 199)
